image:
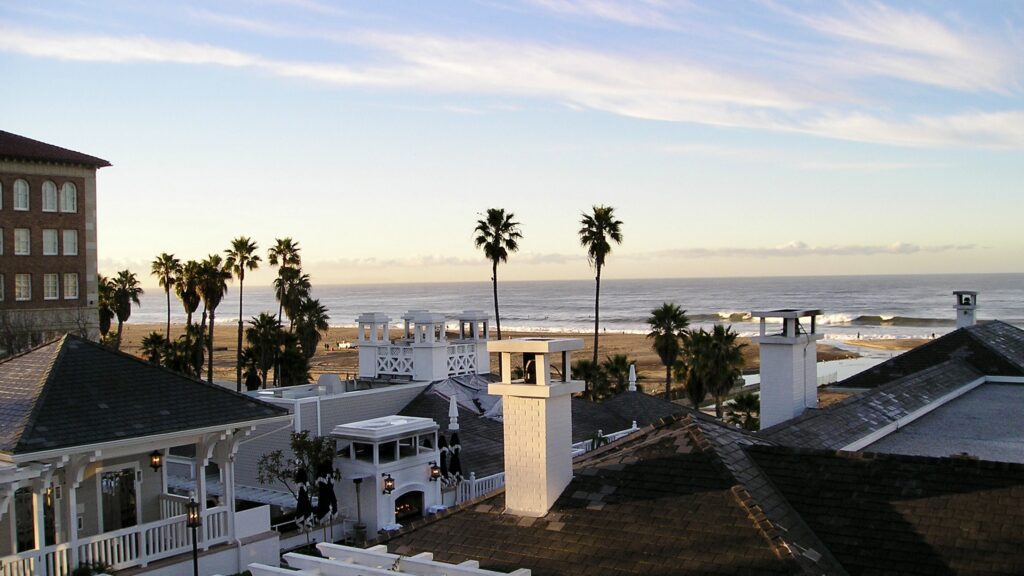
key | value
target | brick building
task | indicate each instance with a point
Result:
(48, 261)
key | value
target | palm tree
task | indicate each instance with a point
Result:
(667, 325)
(126, 293)
(105, 302)
(598, 230)
(616, 370)
(744, 411)
(187, 289)
(592, 374)
(213, 284)
(264, 336)
(692, 371)
(285, 254)
(724, 363)
(310, 321)
(166, 268)
(241, 257)
(154, 347)
(291, 287)
(498, 234)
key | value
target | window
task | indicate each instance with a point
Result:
(50, 287)
(49, 197)
(49, 242)
(20, 195)
(22, 286)
(22, 242)
(118, 502)
(69, 198)
(71, 242)
(71, 286)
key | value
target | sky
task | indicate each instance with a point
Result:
(731, 138)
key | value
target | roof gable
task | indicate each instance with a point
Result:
(87, 394)
(15, 147)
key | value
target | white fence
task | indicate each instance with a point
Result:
(395, 360)
(461, 359)
(826, 379)
(587, 445)
(125, 548)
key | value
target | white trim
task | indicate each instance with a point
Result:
(902, 422)
(141, 440)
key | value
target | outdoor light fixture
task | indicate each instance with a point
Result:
(435, 472)
(389, 483)
(193, 520)
(156, 460)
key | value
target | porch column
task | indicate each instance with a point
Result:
(39, 523)
(200, 464)
(226, 461)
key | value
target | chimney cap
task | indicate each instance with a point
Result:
(535, 345)
(786, 313)
(373, 317)
(964, 292)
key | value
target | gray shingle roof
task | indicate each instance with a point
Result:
(73, 392)
(858, 416)
(994, 348)
(886, 514)
(657, 502)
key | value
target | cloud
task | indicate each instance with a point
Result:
(872, 39)
(640, 13)
(653, 88)
(800, 249)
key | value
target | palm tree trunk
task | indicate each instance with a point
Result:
(668, 382)
(168, 291)
(120, 329)
(718, 406)
(597, 318)
(238, 356)
(209, 347)
(494, 280)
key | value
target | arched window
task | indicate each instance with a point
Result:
(20, 195)
(49, 197)
(69, 198)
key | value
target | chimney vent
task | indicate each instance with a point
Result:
(789, 364)
(966, 305)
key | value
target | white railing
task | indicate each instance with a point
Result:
(395, 360)
(125, 548)
(585, 446)
(826, 379)
(461, 359)
(172, 505)
(473, 487)
(55, 560)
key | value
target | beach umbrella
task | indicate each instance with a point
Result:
(303, 505)
(455, 465)
(327, 502)
(442, 449)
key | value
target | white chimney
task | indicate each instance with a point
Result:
(966, 305)
(538, 422)
(789, 365)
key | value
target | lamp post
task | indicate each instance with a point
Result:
(193, 520)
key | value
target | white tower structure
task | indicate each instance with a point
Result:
(538, 422)
(789, 365)
(423, 353)
(966, 305)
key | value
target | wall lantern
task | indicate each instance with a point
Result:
(435, 472)
(156, 460)
(389, 483)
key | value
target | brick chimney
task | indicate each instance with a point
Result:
(538, 422)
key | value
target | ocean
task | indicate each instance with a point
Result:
(901, 306)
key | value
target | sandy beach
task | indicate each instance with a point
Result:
(345, 361)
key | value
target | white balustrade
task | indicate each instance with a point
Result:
(395, 360)
(172, 505)
(461, 359)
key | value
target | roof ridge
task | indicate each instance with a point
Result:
(44, 387)
(193, 379)
(858, 455)
(764, 525)
(971, 331)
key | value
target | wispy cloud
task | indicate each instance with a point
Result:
(656, 88)
(641, 13)
(800, 249)
(873, 39)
